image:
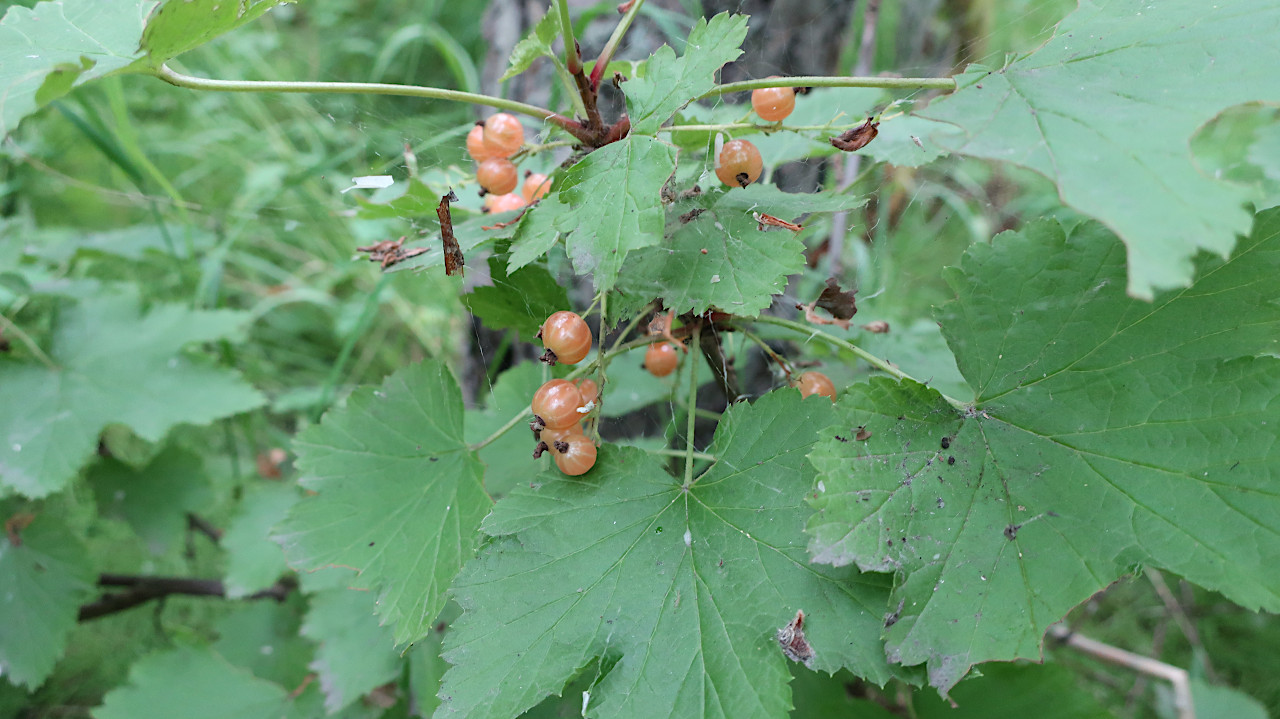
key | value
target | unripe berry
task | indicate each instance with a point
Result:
(661, 359)
(568, 336)
(773, 104)
(476, 147)
(575, 454)
(535, 186)
(556, 403)
(504, 203)
(503, 135)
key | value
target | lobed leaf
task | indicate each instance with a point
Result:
(154, 500)
(354, 655)
(676, 592)
(1106, 109)
(45, 579)
(1107, 432)
(669, 82)
(198, 682)
(115, 365)
(534, 45)
(521, 301)
(615, 199)
(254, 562)
(399, 494)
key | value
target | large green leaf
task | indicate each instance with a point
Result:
(1107, 432)
(254, 562)
(194, 683)
(508, 460)
(1106, 109)
(354, 655)
(47, 50)
(615, 194)
(521, 301)
(399, 494)
(677, 591)
(669, 82)
(45, 579)
(115, 365)
(721, 257)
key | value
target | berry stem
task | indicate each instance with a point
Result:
(178, 79)
(871, 359)
(692, 414)
(602, 62)
(572, 58)
(702, 456)
(891, 83)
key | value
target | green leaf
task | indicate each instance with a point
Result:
(743, 266)
(615, 199)
(115, 365)
(1015, 691)
(48, 49)
(198, 683)
(534, 45)
(669, 83)
(509, 459)
(909, 141)
(1107, 432)
(426, 667)
(45, 580)
(679, 591)
(521, 301)
(1106, 109)
(399, 494)
(1213, 702)
(154, 500)
(536, 232)
(180, 25)
(355, 654)
(255, 562)
(263, 638)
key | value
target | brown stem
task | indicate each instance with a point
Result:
(141, 589)
(196, 523)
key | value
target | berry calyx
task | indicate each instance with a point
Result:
(476, 147)
(661, 359)
(503, 135)
(739, 163)
(567, 336)
(497, 175)
(812, 383)
(535, 187)
(556, 403)
(575, 454)
(773, 104)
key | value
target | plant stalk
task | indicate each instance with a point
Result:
(889, 83)
(572, 58)
(611, 46)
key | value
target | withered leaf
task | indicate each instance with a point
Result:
(836, 301)
(453, 259)
(858, 137)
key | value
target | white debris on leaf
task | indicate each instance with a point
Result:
(370, 182)
(688, 538)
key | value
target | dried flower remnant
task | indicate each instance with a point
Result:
(389, 252)
(762, 220)
(858, 137)
(453, 259)
(794, 645)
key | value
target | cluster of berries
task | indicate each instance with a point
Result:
(739, 163)
(491, 144)
(560, 405)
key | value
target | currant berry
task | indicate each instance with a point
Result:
(568, 336)
(476, 147)
(773, 104)
(589, 389)
(575, 454)
(812, 383)
(661, 359)
(535, 186)
(551, 436)
(503, 134)
(504, 203)
(739, 163)
(556, 403)
(497, 175)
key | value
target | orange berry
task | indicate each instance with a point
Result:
(589, 389)
(578, 455)
(812, 383)
(739, 163)
(475, 145)
(497, 175)
(504, 203)
(535, 187)
(568, 336)
(551, 436)
(773, 104)
(661, 359)
(503, 135)
(557, 403)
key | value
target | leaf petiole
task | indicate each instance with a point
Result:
(602, 62)
(888, 83)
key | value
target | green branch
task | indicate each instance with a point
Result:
(602, 62)
(174, 77)
(891, 83)
(572, 59)
(693, 415)
(871, 359)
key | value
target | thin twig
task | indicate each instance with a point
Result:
(892, 83)
(693, 416)
(611, 46)
(1179, 614)
(852, 161)
(196, 523)
(1176, 676)
(141, 589)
